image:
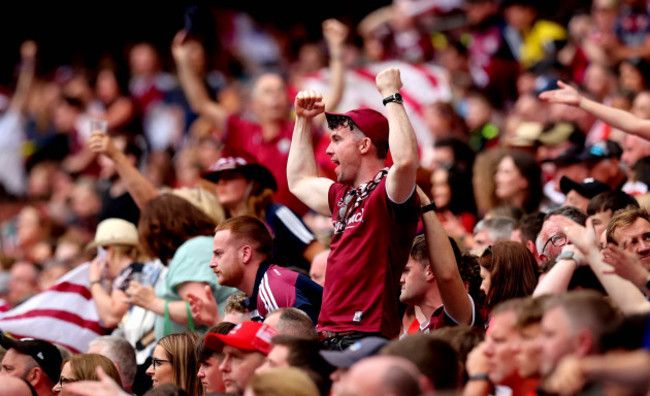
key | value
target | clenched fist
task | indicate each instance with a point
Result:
(309, 104)
(388, 81)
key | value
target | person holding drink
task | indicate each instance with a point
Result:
(116, 264)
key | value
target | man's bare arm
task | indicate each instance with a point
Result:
(400, 182)
(455, 299)
(141, 189)
(28, 51)
(617, 118)
(302, 170)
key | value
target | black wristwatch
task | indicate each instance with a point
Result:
(396, 97)
(428, 207)
(479, 377)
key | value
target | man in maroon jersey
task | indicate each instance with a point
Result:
(374, 209)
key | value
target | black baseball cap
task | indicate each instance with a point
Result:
(45, 353)
(588, 188)
(363, 348)
(603, 149)
(568, 157)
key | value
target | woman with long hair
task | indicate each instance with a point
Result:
(508, 270)
(175, 362)
(83, 367)
(452, 192)
(518, 180)
(180, 235)
(245, 187)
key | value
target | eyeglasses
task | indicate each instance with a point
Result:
(557, 240)
(156, 362)
(63, 380)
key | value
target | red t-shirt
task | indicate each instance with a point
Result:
(247, 136)
(367, 257)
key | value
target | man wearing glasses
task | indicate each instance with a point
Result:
(374, 209)
(36, 361)
(551, 238)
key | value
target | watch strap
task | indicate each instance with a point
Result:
(429, 207)
(479, 377)
(396, 97)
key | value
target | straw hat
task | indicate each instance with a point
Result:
(202, 199)
(115, 232)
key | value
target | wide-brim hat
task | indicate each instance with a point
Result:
(115, 231)
(557, 133)
(246, 165)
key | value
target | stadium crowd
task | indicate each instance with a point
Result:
(446, 198)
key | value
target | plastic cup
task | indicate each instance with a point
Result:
(98, 126)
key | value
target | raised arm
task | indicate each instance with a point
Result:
(194, 89)
(400, 182)
(443, 265)
(302, 170)
(558, 278)
(335, 33)
(141, 189)
(28, 51)
(617, 118)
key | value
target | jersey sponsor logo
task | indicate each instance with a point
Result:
(351, 221)
(357, 316)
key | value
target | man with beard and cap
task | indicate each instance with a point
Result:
(374, 209)
(36, 361)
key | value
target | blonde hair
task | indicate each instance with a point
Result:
(283, 381)
(181, 350)
(84, 367)
(202, 199)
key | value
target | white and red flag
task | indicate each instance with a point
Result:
(64, 314)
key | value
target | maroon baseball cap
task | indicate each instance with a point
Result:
(371, 122)
(249, 336)
(244, 163)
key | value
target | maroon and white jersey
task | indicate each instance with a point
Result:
(369, 249)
